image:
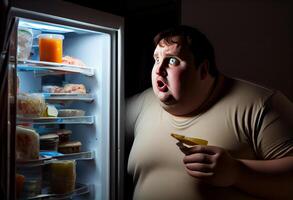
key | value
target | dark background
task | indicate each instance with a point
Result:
(143, 19)
(253, 39)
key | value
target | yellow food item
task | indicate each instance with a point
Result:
(51, 111)
(189, 140)
(63, 176)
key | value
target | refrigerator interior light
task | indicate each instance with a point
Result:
(44, 27)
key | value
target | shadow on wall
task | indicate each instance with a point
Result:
(253, 40)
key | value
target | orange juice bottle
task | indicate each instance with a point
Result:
(51, 47)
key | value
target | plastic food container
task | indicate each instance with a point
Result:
(63, 134)
(69, 147)
(49, 142)
(63, 176)
(70, 113)
(24, 43)
(27, 144)
(31, 105)
(51, 47)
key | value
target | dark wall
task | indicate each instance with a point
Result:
(140, 28)
(253, 39)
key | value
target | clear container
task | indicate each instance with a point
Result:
(31, 105)
(51, 47)
(24, 43)
(27, 144)
(63, 176)
(49, 142)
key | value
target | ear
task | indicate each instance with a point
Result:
(204, 69)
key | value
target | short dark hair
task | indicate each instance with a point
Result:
(198, 43)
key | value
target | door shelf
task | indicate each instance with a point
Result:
(80, 189)
(87, 155)
(57, 120)
(68, 97)
(42, 68)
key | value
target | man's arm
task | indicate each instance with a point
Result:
(269, 179)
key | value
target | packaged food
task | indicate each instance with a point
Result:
(51, 111)
(19, 182)
(63, 134)
(32, 187)
(52, 89)
(24, 43)
(27, 144)
(70, 112)
(63, 176)
(74, 88)
(72, 61)
(49, 142)
(51, 47)
(31, 105)
(69, 147)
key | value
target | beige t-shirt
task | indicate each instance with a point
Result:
(247, 121)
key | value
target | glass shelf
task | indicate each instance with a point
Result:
(68, 97)
(80, 189)
(57, 120)
(87, 155)
(42, 68)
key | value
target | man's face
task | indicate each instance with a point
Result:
(175, 78)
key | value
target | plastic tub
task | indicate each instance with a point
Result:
(49, 142)
(51, 47)
(24, 43)
(63, 176)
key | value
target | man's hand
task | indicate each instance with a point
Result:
(210, 164)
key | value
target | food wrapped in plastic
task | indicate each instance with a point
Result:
(52, 89)
(27, 144)
(74, 88)
(70, 113)
(31, 105)
(24, 43)
(63, 176)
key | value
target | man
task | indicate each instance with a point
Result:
(250, 142)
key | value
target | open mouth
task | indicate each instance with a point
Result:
(162, 86)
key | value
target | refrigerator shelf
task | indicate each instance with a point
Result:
(57, 120)
(42, 68)
(87, 155)
(68, 97)
(80, 189)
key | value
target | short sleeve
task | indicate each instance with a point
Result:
(133, 108)
(275, 138)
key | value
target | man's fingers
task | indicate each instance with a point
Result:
(182, 147)
(199, 167)
(198, 158)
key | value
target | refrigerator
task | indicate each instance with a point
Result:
(82, 92)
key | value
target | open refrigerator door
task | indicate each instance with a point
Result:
(64, 99)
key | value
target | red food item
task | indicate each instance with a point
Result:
(74, 88)
(19, 181)
(72, 61)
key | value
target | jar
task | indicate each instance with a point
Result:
(51, 47)
(24, 43)
(63, 176)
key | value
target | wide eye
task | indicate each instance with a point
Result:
(173, 61)
(156, 60)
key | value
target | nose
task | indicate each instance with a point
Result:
(161, 70)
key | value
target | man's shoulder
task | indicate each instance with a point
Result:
(247, 91)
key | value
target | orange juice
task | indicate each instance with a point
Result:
(51, 47)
